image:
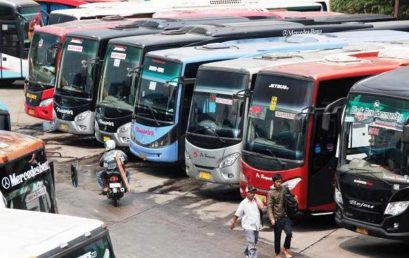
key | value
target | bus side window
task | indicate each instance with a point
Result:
(9, 40)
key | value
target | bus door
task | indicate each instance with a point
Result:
(323, 145)
(11, 51)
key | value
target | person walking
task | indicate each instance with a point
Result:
(278, 216)
(249, 212)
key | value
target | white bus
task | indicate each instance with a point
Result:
(38, 234)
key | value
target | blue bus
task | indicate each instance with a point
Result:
(166, 85)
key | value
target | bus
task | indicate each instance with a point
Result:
(4, 117)
(284, 133)
(113, 114)
(17, 21)
(372, 175)
(79, 74)
(44, 62)
(26, 176)
(37, 234)
(47, 6)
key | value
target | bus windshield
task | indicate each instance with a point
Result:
(27, 183)
(118, 81)
(276, 126)
(372, 130)
(212, 108)
(157, 95)
(42, 58)
(77, 67)
(99, 248)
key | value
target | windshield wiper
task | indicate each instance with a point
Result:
(211, 129)
(153, 111)
(282, 164)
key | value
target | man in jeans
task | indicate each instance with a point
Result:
(249, 213)
(278, 216)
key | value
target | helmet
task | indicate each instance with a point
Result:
(109, 145)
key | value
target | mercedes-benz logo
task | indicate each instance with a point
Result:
(6, 183)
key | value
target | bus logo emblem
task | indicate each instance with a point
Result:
(6, 183)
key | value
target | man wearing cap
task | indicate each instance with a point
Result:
(249, 212)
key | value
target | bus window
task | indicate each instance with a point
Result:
(9, 41)
(27, 183)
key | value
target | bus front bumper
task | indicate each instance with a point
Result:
(167, 154)
(226, 175)
(43, 112)
(83, 127)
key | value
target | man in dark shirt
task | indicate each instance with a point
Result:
(278, 216)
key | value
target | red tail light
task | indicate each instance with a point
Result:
(114, 179)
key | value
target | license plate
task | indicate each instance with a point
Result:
(361, 230)
(205, 175)
(261, 198)
(31, 112)
(63, 127)
(106, 138)
(112, 185)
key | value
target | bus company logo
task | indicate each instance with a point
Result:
(287, 33)
(64, 111)
(278, 86)
(361, 204)
(5, 182)
(107, 123)
(362, 182)
(13, 179)
(145, 131)
(195, 154)
(261, 176)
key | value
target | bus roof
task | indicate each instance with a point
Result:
(392, 84)
(74, 3)
(342, 66)
(31, 233)
(333, 40)
(149, 26)
(61, 29)
(14, 145)
(402, 25)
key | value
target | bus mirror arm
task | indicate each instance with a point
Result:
(330, 109)
(242, 94)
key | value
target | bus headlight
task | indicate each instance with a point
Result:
(292, 183)
(82, 116)
(229, 160)
(46, 102)
(338, 196)
(163, 141)
(124, 128)
(396, 208)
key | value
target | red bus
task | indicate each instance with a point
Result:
(44, 59)
(284, 132)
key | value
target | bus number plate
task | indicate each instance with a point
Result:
(105, 138)
(63, 127)
(361, 230)
(31, 112)
(205, 175)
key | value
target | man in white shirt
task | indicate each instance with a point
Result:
(249, 212)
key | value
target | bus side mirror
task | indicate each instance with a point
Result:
(333, 106)
(405, 137)
(326, 119)
(74, 175)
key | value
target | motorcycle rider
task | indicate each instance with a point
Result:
(108, 162)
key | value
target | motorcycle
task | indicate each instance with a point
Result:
(116, 189)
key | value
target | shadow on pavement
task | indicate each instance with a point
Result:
(376, 247)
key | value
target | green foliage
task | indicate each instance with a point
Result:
(370, 6)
